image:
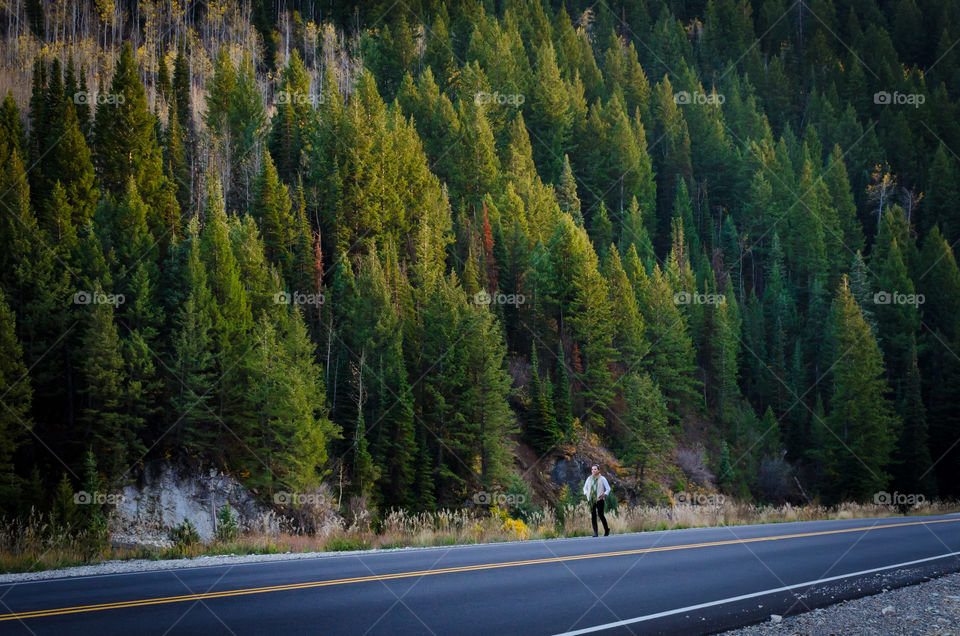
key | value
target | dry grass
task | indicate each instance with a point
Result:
(34, 544)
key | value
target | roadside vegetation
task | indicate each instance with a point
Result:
(37, 543)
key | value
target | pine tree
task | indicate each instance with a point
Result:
(114, 438)
(271, 208)
(15, 386)
(628, 342)
(11, 127)
(126, 143)
(561, 395)
(648, 433)
(542, 429)
(672, 356)
(194, 354)
(862, 428)
(181, 93)
(913, 466)
(294, 107)
(567, 193)
(175, 159)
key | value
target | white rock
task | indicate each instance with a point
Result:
(887, 610)
(165, 495)
(775, 618)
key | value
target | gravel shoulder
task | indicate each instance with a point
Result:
(928, 608)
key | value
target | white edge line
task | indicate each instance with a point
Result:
(734, 599)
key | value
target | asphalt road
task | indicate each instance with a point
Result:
(696, 581)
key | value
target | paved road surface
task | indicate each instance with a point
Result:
(695, 581)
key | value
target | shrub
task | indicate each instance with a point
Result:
(228, 529)
(184, 535)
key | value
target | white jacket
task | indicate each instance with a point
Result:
(603, 488)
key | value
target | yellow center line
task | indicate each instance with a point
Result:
(452, 570)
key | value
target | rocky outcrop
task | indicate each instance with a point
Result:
(166, 493)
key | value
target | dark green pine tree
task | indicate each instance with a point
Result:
(939, 205)
(164, 87)
(271, 208)
(37, 287)
(672, 355)
(194, 354)
(633, 235)
(601, 230)
(181, 93)
(376, 333)
(628, 340)
(862, 289)
(113, 436)
(11, 127)
(484, 398)
(294, 107)
(542, 430)
(233, 319)
(561, 395)
(838, 185)
(913, 466)
(862, 426)
(15, 421)
(567, 193)
(940, 370)
(283, 425)
(38, 89)
(897, 320)
(175, 159)
(126, 143)
(648, 433)
(439, 55)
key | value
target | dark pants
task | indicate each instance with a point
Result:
(597, 509)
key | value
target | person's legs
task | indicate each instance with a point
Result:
(600, 506)
(593, 518)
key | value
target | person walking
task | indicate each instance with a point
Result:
(596, 489)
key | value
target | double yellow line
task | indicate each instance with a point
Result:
(453, 570)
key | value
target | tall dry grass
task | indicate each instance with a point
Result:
(35, 544)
